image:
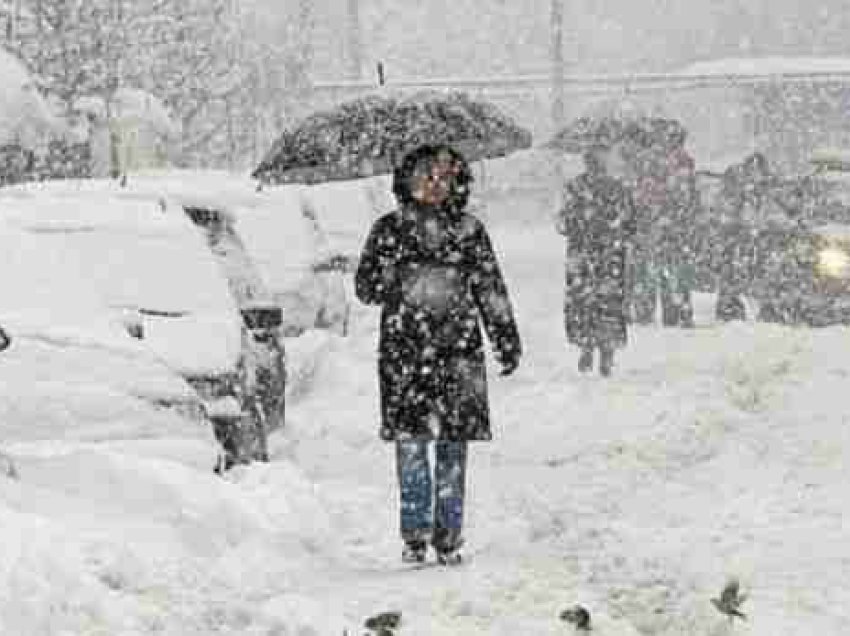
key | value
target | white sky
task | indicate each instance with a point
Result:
(504, 36)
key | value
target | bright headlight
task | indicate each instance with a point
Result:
(833, 262)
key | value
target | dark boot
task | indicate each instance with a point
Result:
(686, 315)
(606, 361)
(585, 360)
(730, 308)
(644, 314)
(447, 544)
(450, 557)
(414, 551)
(669, 311)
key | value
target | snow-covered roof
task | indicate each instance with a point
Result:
(777, 65)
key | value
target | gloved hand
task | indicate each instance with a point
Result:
(509, 364)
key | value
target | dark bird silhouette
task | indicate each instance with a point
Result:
(7, 467)
(578, 616)
(383, 623)
(730, 601)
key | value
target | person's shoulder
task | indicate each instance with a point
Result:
(470, 225)
(575, 186)
(387, 221)
(389, 218)
(578, 180)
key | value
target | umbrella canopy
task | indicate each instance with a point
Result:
(368, 136)
(612, 122)
(586, 133)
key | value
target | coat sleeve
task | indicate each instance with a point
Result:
(376, 281)
(492, 300)
(565, 218)
(629, 216)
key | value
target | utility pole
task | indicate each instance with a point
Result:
(298, 66)
(306, 35)
(556, 30)
(355, 45)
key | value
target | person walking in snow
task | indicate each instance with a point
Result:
(742, 204)
(431, 267)
(597, 218)
(666, 201)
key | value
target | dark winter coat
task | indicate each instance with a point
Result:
(742, 206)
(598, 220)
(435, 289)
(666, 204)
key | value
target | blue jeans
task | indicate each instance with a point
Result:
(431, 507)
(673, 280)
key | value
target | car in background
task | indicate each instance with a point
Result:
(796, 248)
(805, 277)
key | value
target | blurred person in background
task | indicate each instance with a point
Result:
(597, 217)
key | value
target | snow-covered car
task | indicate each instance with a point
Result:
(154, 271)
(271, 244)
(69, 372)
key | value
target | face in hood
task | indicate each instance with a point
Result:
(434, 177)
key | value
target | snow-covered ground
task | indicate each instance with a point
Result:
(713, 452)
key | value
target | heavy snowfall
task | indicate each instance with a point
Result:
(154, 215)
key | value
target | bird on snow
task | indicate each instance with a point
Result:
(578, 616)
(7, 467)
(730, 601)
(383, 623)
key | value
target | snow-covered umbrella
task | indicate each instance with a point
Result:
(368, 136)
(585, 133)
(619, 120)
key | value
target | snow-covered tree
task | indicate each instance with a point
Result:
(196, 56)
